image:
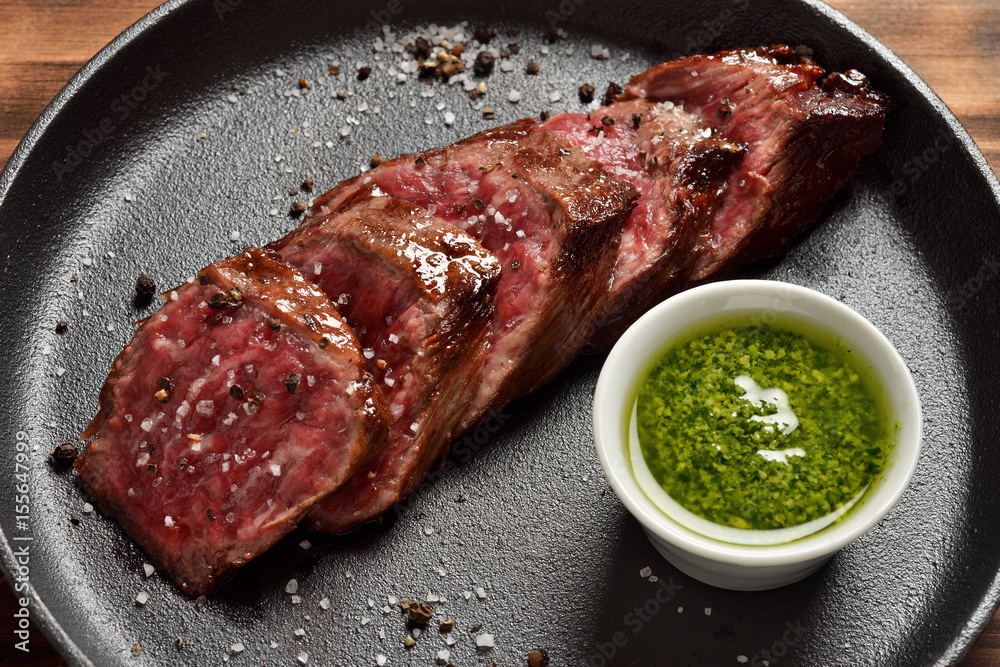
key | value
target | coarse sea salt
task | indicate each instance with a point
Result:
(142, 598)
(485, 641)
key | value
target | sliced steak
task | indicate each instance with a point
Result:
(805, 134)
(680, 170)
(553, 218)
(235, 408)
(419, 294)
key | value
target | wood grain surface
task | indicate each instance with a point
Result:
(954, 45)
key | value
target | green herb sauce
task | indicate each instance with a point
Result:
(723, 457)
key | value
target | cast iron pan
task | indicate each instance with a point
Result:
(108, 187)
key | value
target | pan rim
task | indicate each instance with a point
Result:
(43, 617)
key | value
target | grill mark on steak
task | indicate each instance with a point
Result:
(561, 216)
(804, 141)
(213, 471)
(419, 294)
(680, 170)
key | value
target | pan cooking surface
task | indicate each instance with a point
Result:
(178, 145)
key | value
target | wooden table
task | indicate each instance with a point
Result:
(953, 44)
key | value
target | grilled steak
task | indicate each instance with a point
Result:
(550, 215)
(235, 408)
(805, 134)
(680, 170)
(419, 294)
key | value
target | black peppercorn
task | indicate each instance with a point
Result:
(484, 63)
(484, 34)
(613, 93)
(145, 286)
(423, 47)
(65, 453)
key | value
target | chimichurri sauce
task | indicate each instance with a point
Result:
(762, 427)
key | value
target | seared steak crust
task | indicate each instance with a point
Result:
(805, 135)
(236, 407)
(419, 294)
(680, 169)
(551, 216)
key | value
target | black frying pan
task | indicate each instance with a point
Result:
(143, 164)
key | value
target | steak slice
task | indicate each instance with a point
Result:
(419, 294)
(805, 134)
(680, 170)
(236, 408)
(553, 218)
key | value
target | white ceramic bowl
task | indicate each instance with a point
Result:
(740, 566)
